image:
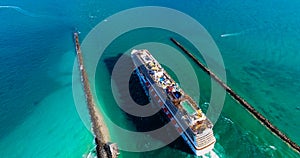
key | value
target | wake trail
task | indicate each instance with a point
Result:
(231, 34)
(33, 15)
(20, 10)
(238, 33)
(30, 14)
(211, 154)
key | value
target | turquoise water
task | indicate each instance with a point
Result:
(235, 126)
(259, 42)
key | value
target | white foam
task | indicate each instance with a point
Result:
(213, 154)
(273, 147)
(228, 120)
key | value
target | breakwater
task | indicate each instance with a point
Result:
(239, 99)
(104, 148)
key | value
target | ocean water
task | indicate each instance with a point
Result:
(258, 42)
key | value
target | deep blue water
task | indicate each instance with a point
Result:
(259, 42)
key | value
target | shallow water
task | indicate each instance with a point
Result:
(258, 42)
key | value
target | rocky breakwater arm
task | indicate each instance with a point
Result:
(242, 101)
(104, 148)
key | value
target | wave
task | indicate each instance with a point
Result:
(273, 147)
(20, 10)
(91, 153)
(228, 120)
